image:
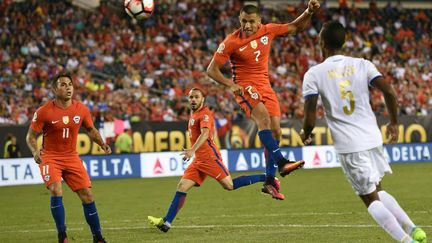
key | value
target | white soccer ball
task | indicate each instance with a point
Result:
(139, 9)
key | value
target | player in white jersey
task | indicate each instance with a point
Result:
(342, 82)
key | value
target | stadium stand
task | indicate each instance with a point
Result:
(139, 71)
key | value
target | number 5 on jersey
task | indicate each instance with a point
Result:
(347, 94)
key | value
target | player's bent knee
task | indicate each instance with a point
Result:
(185, 185)
(227, 185)
(277, 133)
(85, 195)
(56, 189)
(262, 120)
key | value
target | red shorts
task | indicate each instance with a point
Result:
(70, 169)
(199, 170)
(252, 97)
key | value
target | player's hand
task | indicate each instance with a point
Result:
(307, 140)
(37, 156)
(237, 89)
(313, 6)
(105, 147)
(392, 132)
(187, 154)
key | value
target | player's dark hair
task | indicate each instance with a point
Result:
(60, 75)
(333, 35)
(197, 89)
(250, 9)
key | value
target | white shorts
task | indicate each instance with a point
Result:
(364, 170)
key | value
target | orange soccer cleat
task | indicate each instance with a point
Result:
(285, 166)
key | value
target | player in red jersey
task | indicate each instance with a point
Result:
(59, 121)
(207, 162)
(248, 50)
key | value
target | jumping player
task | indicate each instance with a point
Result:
(248, 50)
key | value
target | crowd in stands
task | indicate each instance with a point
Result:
(142, 70)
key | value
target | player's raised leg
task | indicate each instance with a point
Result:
(261, 116)
(164, 224)
(272, 184)
(245, 180)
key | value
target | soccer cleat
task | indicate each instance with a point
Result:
(285, 166)
(270, 189)
(418, 235)
(62, 237)
(159, 223)
(98, 239)
(276, 184)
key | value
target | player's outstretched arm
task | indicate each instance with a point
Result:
(214, 72)
(302, 21)
(390, 98)
(309, 119)
(188, 153)
(31, 140)
(97, 138)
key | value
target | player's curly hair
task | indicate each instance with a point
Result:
(333, 35)
(58, 76)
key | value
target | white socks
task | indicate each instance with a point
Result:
(388, 221)
(392, 205)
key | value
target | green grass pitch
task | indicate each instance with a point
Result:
(320, 206)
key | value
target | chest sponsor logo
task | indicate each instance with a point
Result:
(76, 119)
(65, 119)
(254, 44)
(264, 40)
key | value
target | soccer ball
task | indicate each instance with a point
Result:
(139, 9)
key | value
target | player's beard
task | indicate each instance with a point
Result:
(197, 106)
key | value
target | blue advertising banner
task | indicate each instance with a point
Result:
(409, 152)
(113, 166)
(254, 159)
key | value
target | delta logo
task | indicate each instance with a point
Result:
(316, 160)
(157, 168)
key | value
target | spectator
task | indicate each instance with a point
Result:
(123, 143)
(13, 149)
(8, 141)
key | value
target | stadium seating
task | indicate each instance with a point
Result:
(140, 71)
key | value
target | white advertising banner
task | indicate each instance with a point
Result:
(19, 172)
(167, 164)
(320, 157)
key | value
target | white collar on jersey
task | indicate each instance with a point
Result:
(334, 58)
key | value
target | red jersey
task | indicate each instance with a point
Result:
(60, 127)
(203, 118)
(249, 56)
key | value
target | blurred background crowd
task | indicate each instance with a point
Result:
(140, 71)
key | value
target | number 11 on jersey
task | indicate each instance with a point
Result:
(66, 132)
